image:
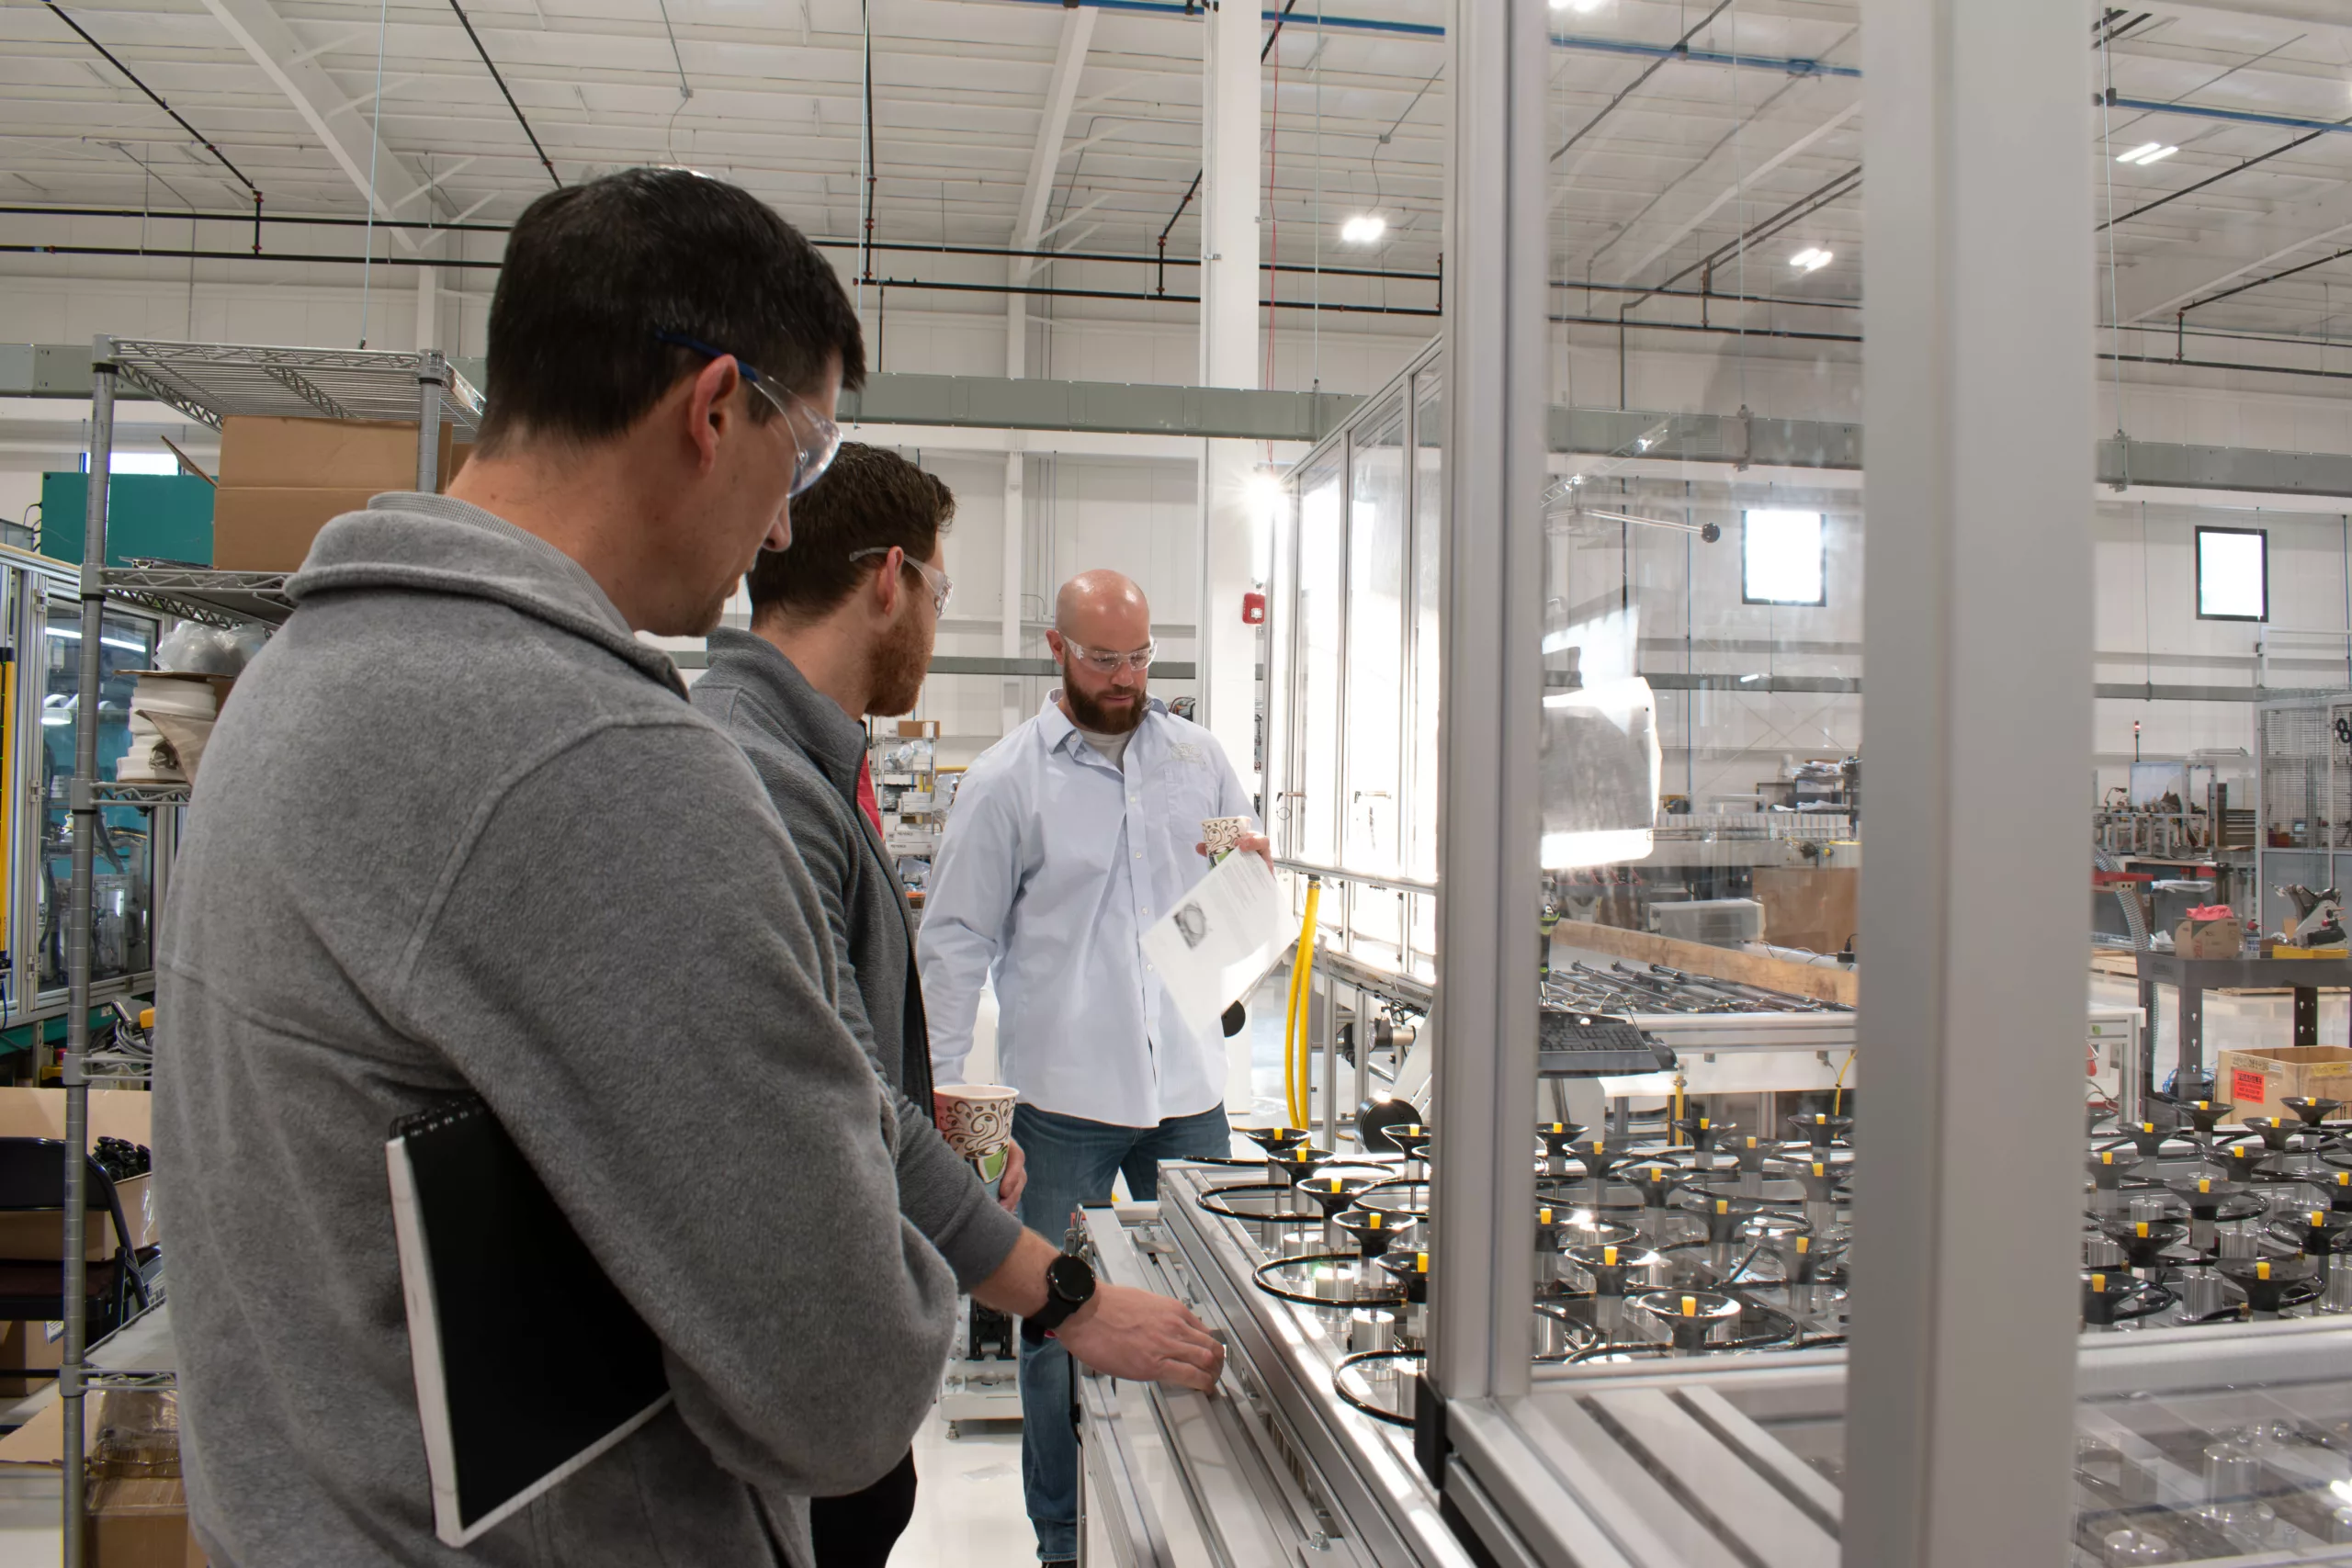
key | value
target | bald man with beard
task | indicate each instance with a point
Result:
(1071, 837)
(842, 623)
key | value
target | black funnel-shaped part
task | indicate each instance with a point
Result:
(2110, 1167)
(1705, 1133)
(1690, 1315)
(2313, 1110)
(1821, 1130)
(1375, 1232)
(1273, 1138)
(1559, 1137)
(1654, 1181)
(2269, 1283)
(1751, 1153)
(2144, 1242)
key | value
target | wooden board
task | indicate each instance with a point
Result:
(1824, 985)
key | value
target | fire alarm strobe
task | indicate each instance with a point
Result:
(1254, 608)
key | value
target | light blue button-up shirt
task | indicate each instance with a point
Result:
(1053, 865)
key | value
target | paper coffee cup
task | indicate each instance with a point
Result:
(1222, 833)
(976, 1118)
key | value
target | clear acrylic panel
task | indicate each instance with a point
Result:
(124, 879)
(1700, 729)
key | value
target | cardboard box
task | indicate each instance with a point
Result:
(325, 454)
(124, 1113)
(2259, 1082)
(30, 1355)
(140, 1524)
(1814, 909)
(2209, 939)
(271, 529)
(133, 1524)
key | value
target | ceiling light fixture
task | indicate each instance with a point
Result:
(1581, 7)
(1363, 229)
(2147, 153)
(1813, 259)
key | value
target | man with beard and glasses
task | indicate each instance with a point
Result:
(1071, 837)
(842, 622)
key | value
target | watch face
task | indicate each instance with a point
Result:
(1070, 1278)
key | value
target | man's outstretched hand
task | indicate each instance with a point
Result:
(1253, 843)
(1134, 1334)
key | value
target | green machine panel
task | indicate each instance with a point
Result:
(149, 517)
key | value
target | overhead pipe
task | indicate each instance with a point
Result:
(466, 22)
(177, 118)
(2234, 117)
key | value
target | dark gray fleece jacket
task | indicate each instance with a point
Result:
(807, 753)
(458, 830)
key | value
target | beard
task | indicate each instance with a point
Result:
(1088, 714)
(900, 662)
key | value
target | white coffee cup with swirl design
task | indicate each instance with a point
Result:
(976, 1118)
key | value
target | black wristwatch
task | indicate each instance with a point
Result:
(1069, 1285)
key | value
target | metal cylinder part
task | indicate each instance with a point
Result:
(2338, 1297)
(2201, 1292)
(2128, 1548)
(1371, 1329)
(2232, 1473)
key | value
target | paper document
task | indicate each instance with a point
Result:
(1215, 944)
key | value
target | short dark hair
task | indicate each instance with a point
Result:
(870, 498)
(593, 272)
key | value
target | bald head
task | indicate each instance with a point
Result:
(1103, 609)
(1099, 617)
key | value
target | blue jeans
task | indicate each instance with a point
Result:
(1072, 1162)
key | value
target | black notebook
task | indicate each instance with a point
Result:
(529, 1363)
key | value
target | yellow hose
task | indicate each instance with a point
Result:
(1295, 1050)
(1837, 1098)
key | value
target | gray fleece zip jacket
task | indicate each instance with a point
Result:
(460, 831)
(807, 753)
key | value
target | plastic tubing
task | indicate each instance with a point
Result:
(1296, 1083)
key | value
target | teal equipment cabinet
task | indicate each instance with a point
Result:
(149, 517)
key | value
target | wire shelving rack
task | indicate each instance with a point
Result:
(209, 383)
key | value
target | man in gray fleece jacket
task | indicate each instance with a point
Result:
(460, 831)
(843, 620)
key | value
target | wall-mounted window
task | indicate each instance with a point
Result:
(1783, 559)
(2233, 574)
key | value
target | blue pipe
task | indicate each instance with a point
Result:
(2236, 117)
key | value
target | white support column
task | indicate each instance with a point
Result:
(1045, 157)
(1015, 559)
(1231, 535)
(1978, 322)
(428, 308)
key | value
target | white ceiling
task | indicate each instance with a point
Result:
(1655, 176)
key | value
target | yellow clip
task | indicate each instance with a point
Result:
(1373, 1222)
(2262, 1269)
(1704, 1123)
(1804, 1244)
(1818, 1168)
(1608, 1257)
(2098, 1283)
(2143, 1228)
(1723, 1205)
(2318, 1219)
(1542, 1216)
(1690, 1306)
(2205, 1184)
(1656, 1172)
(2147, 1126)
(146, 1018)
(2107, 1157)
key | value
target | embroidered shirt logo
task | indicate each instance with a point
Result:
(1185, 752)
